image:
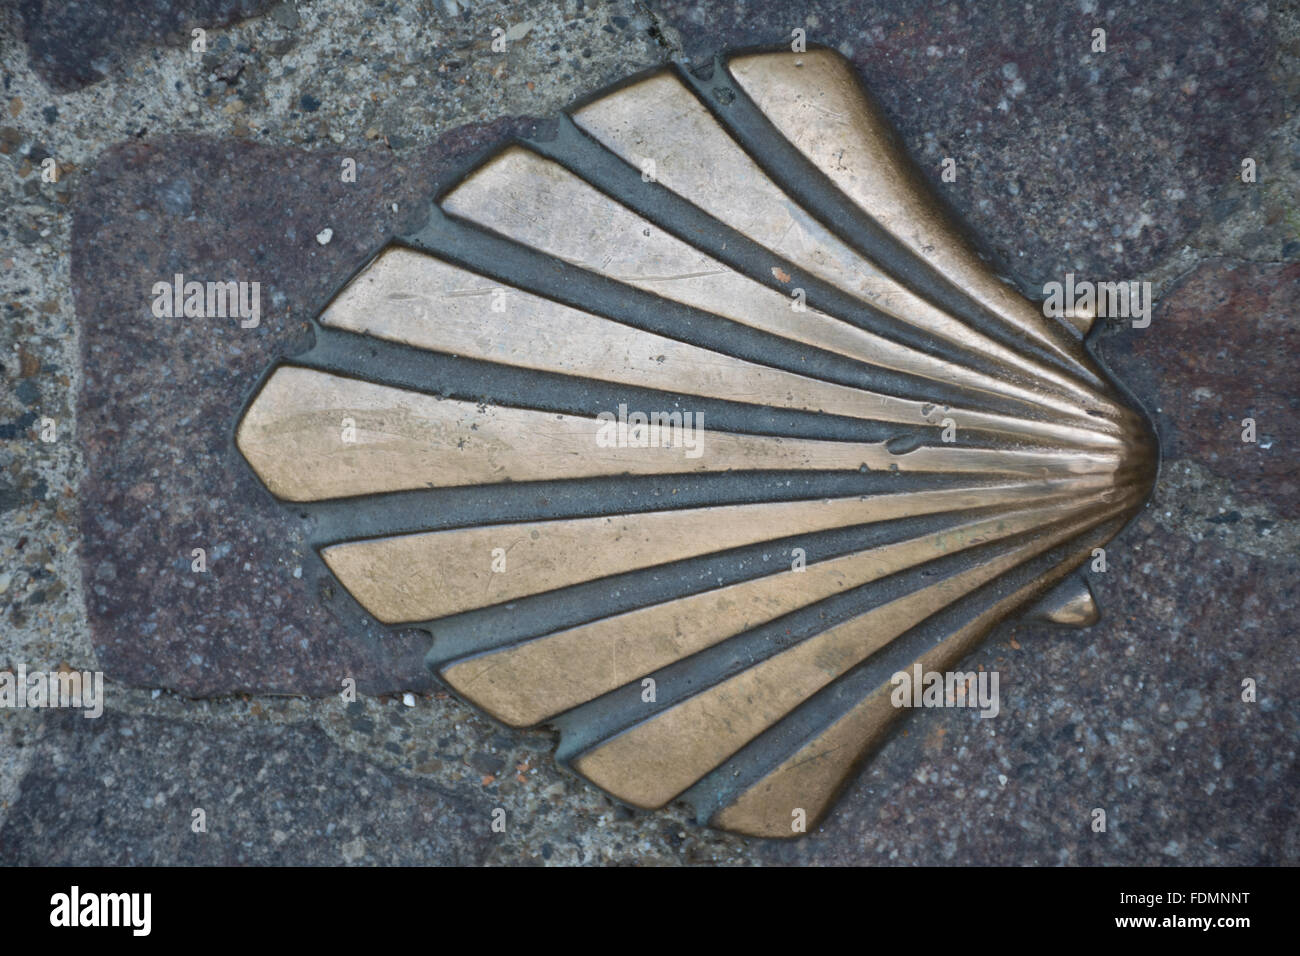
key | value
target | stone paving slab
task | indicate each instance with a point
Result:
(1140, 716)
(1225, 350)
(77, 42)
(1114, 166)
(122, 790)
(161, 397)
(1066, 159)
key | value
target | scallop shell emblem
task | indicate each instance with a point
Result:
(683, 429)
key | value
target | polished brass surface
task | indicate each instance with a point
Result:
(880, 450)
(819, 769)
(651, 763)
(527, 683)
(415, 577)
(817, 104)
(615, 242)
(404, 440)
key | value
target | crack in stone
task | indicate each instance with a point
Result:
(656, 31)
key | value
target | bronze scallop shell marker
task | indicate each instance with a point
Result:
(685, 428)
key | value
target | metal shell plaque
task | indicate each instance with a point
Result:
(687, 429)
